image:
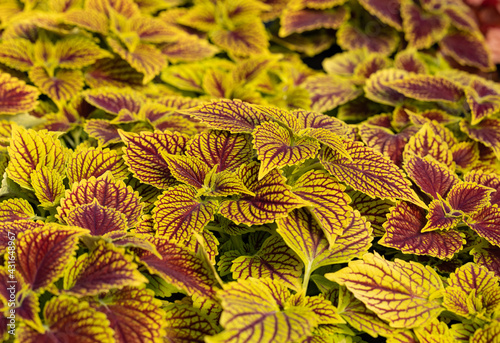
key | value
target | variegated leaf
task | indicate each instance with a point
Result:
(327, 92)
(16, 209)
(187, 169)
(428, 88)
(16, 96)
(467, 48)
(245, 39)
(486, 132)
(48, 186)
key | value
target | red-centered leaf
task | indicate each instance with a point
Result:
(189, 49)
(471, 277)
(16, 209)
(48, 186)
(403, 293)
(77, 52)
(257, 308)
(487, 333)
(179, 214)
(101, 270)
(146, 59)
(188, 77)
(428, 88)
(374, 62)
(359, 317)
(132, 320)
(461, 17)
(315, 4)
(99, 220)
(465, 155)
(102, 130)
(488, 180)
(223, 184)
(374, 210)
(368, 172)
(17, 54)
(467, 48)
(88, 19)
(54, 244)
(387, 11)
(469, 197)
(115, 72)
(385, 142)
(10, 229)
(328, 92)
(432, 177)
(273, 198)
(277, 148)
(180, 267)
(438, 219)
(483, 98)
(328, 202)
(275, 260)
(304, 236)
(187, 169)
(67, 319)
(486, 132)
(16, 96)
(486, 222)
(87, 162)
(344, 63)
(351, 37)
(426, 142)
(307, 20)
(488, 257)
(403, 232)
(60, 87)
(226, 150)
(217, 83)
(410, 61)
(126, 8)
(113, 100)
(187, 324)
(422, 29)
(377, 86)
(154, 30)
(143, 155)
(248, 38)
(108, 192)
(229, 115)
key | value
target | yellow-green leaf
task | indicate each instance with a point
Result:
(48, 186)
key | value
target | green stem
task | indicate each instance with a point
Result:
(307, 276)
(297, 173)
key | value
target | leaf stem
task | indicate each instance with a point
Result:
(307, 276)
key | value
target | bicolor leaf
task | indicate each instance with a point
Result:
(143, 155)
(439, 219)
(486, 132)
(63, 85)
(410, 61)
(467, 48)
(16, 209)
(88, 19)
(103, 131)
(485, 222)
(277, 148)
(185, 323)
(465, 155)
(16, 95)
(115, 72)
(298, 21)
(428, 88)
(469, 197)
(483, 98)
(179, 214)
(77, 52)
(344, 63)
(426, 142)
(113, 100)
(9, 229)
(316, 120)
(403, 232)
(368, 172)
(490, 180)
(245, 39)
(488, 257)
(17, 54)
(223, 184)
(273, 198)
(187, 76)
(327, 92)
(54, 244)
(48, 186)
(189, 49)
(387, 11)
(186, 169)
(350, 37)
(374, 210)
(406, 294)
(377, 86)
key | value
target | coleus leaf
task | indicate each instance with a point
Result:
(486, 132)
(16, 209)
(422, 29)
(103, 131)
(273, 198)
(88, 19)
(98, 219)
(132, 320)
(230, 115)
(87, 162)
(368, 172)
(350, 37)
(247, 38)
(16, 227)
(217, 83)
(178, 213)
(179, 267)
(154, 30)
(189, 49)
(485, 223)
(226, 150)
(126, 8)
(406, 294)
(439, 219)
(67, 318)
(469, 197)
(374, 210)
(410, 61)
(465, 155)
(113, 100)
(188, 77)
(428, 88)
(483, 98)
(224, 183)
(387, 11)
(403, 232)
(304, 236)
(298, 21)
(253, 308)
(187, 324)
(314, 120)
(77, 52)
(433, 332)
(377, 86)
(490, 180)
(55, 244)
(16, 95)
(467, 48)
(112, 72)
(327, 92)
(329, 204)
(143, 155)
(277, 148)
(432, 177)
(274, 260)
(187, 169)
(108, 192)
(17, 54)
(344, 63)
(104, 268)
(30, 149)
(487, 333)
(488, 257)
(48, 186)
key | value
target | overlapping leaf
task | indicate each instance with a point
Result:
(403, 232)
(248, 38)
(368, 172)
(223, 184)
(308, 19)
(490, 180)
(428, 88)
(469, 197)
(187, 169)
(327, 92)
(485, 222)
(98, 219)
(16, 209)
(486, 132)
(467, 48)
(178, 213)
(351, 36)
(17, 53)
(483, 99)
(440, 219)
(115, 72)
(63, 85)
(48, 186)
(102, 130)
(403, 293)
(387, 11)
(487, 256)
(184, 323)
(189, 49)
(143, 155)
(374, 210)
(273, 198)
(113, 100)
(377, 86)
(16, 95)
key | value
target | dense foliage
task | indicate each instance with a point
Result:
(173, 171)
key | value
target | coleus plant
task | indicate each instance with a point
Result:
(146, 211)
